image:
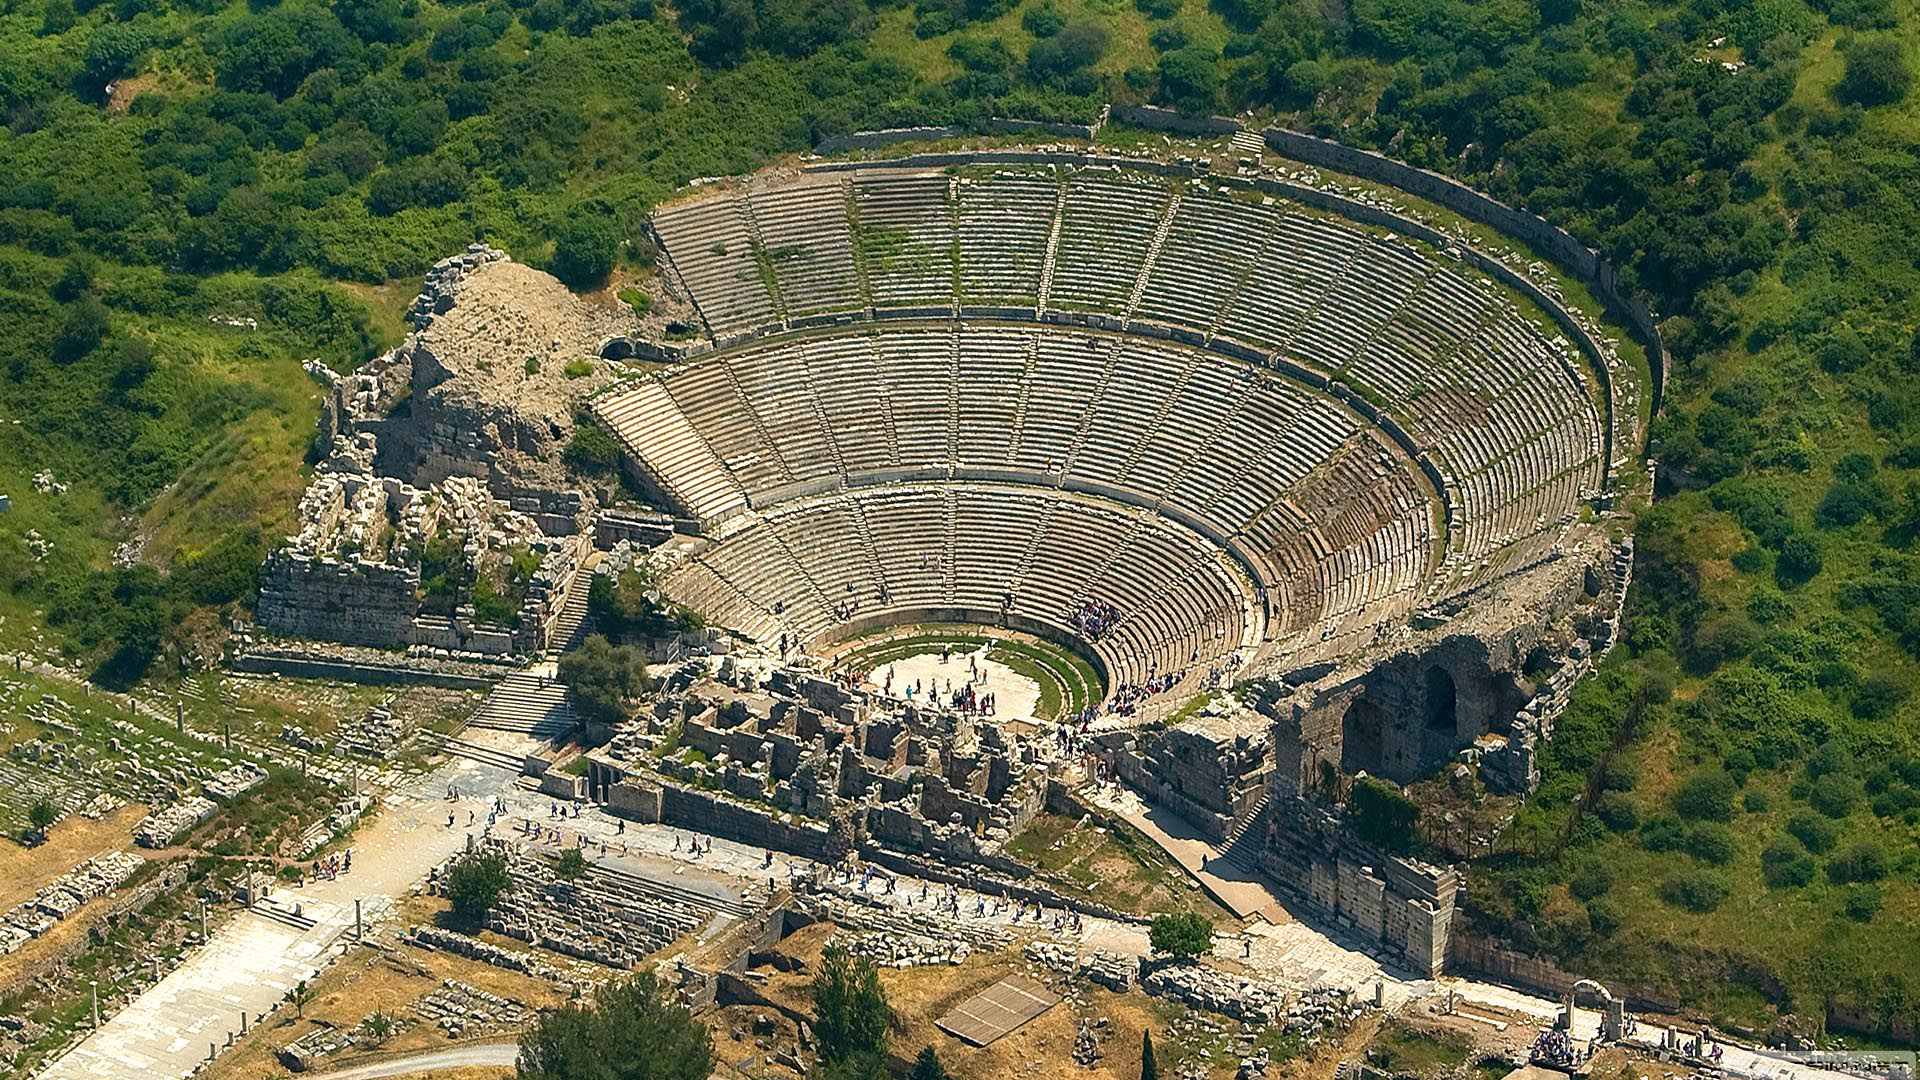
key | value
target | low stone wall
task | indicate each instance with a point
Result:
(1476, 954)
(1159, 119)
(397, 674)
(874, 140)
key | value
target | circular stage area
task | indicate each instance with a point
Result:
(1030, 678)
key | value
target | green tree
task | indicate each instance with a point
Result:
(603, 680)
(1190, 79)
(1877, 73)
(1148, 1070)
(475, 883)
(927, 1067)
(851, 1015)
(571, 865)
(1185, 935)
(632, 1030)
(585, 247)
(40, 817)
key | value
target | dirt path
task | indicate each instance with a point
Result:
(485, 1054)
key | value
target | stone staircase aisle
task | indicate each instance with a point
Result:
(530, 702)
(1241, 845)
(572, 626)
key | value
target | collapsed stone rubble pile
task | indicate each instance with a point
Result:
(907, 950)
(1087, 1040)
(1214, 991)
(97, 876)
(427, 936)
(17, 1033)
(1096, 966)
(608, 919)
(234, 781)
(376, 733)
(315, 1046)
(461, 1011)
(166, 827)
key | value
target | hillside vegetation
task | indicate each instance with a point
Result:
(201, 194)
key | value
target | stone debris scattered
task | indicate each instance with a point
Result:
(527, 963)
(166, 828)
(1214, 991)
(907, 950)
(97, 876)
(233, 782)
(1097, 966)
(612, 920)
(462, 1011)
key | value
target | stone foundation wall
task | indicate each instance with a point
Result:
(1403, 909)
(327, 599)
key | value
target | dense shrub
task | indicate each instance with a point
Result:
(1663, 834)
(1617, 811)
(1862, 903)
(1835, 795)
(1877, 73)
(1695, 890)
(1812, 830)
(1706, 795)
(1591, 878)
(1864, 860)
(1786, 864)
(1711, 843)
(585, 247)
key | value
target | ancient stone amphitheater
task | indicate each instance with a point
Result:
(1161, 418)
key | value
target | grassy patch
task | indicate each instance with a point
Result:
(1117, 866)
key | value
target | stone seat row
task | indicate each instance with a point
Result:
(1375, 311)
(808, 567)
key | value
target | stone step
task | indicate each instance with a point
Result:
(679, 894)
(485, 755)
(283, 915)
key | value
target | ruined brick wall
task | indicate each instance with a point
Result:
(333, 600)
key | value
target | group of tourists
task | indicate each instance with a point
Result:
(1093, 618)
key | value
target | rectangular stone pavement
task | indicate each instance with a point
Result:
(250, 965)
(254, 960)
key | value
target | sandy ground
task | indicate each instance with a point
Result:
(26, 870)
(1016, 696)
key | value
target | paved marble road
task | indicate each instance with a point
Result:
(255, 959)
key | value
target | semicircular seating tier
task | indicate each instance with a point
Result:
(1062, 388)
